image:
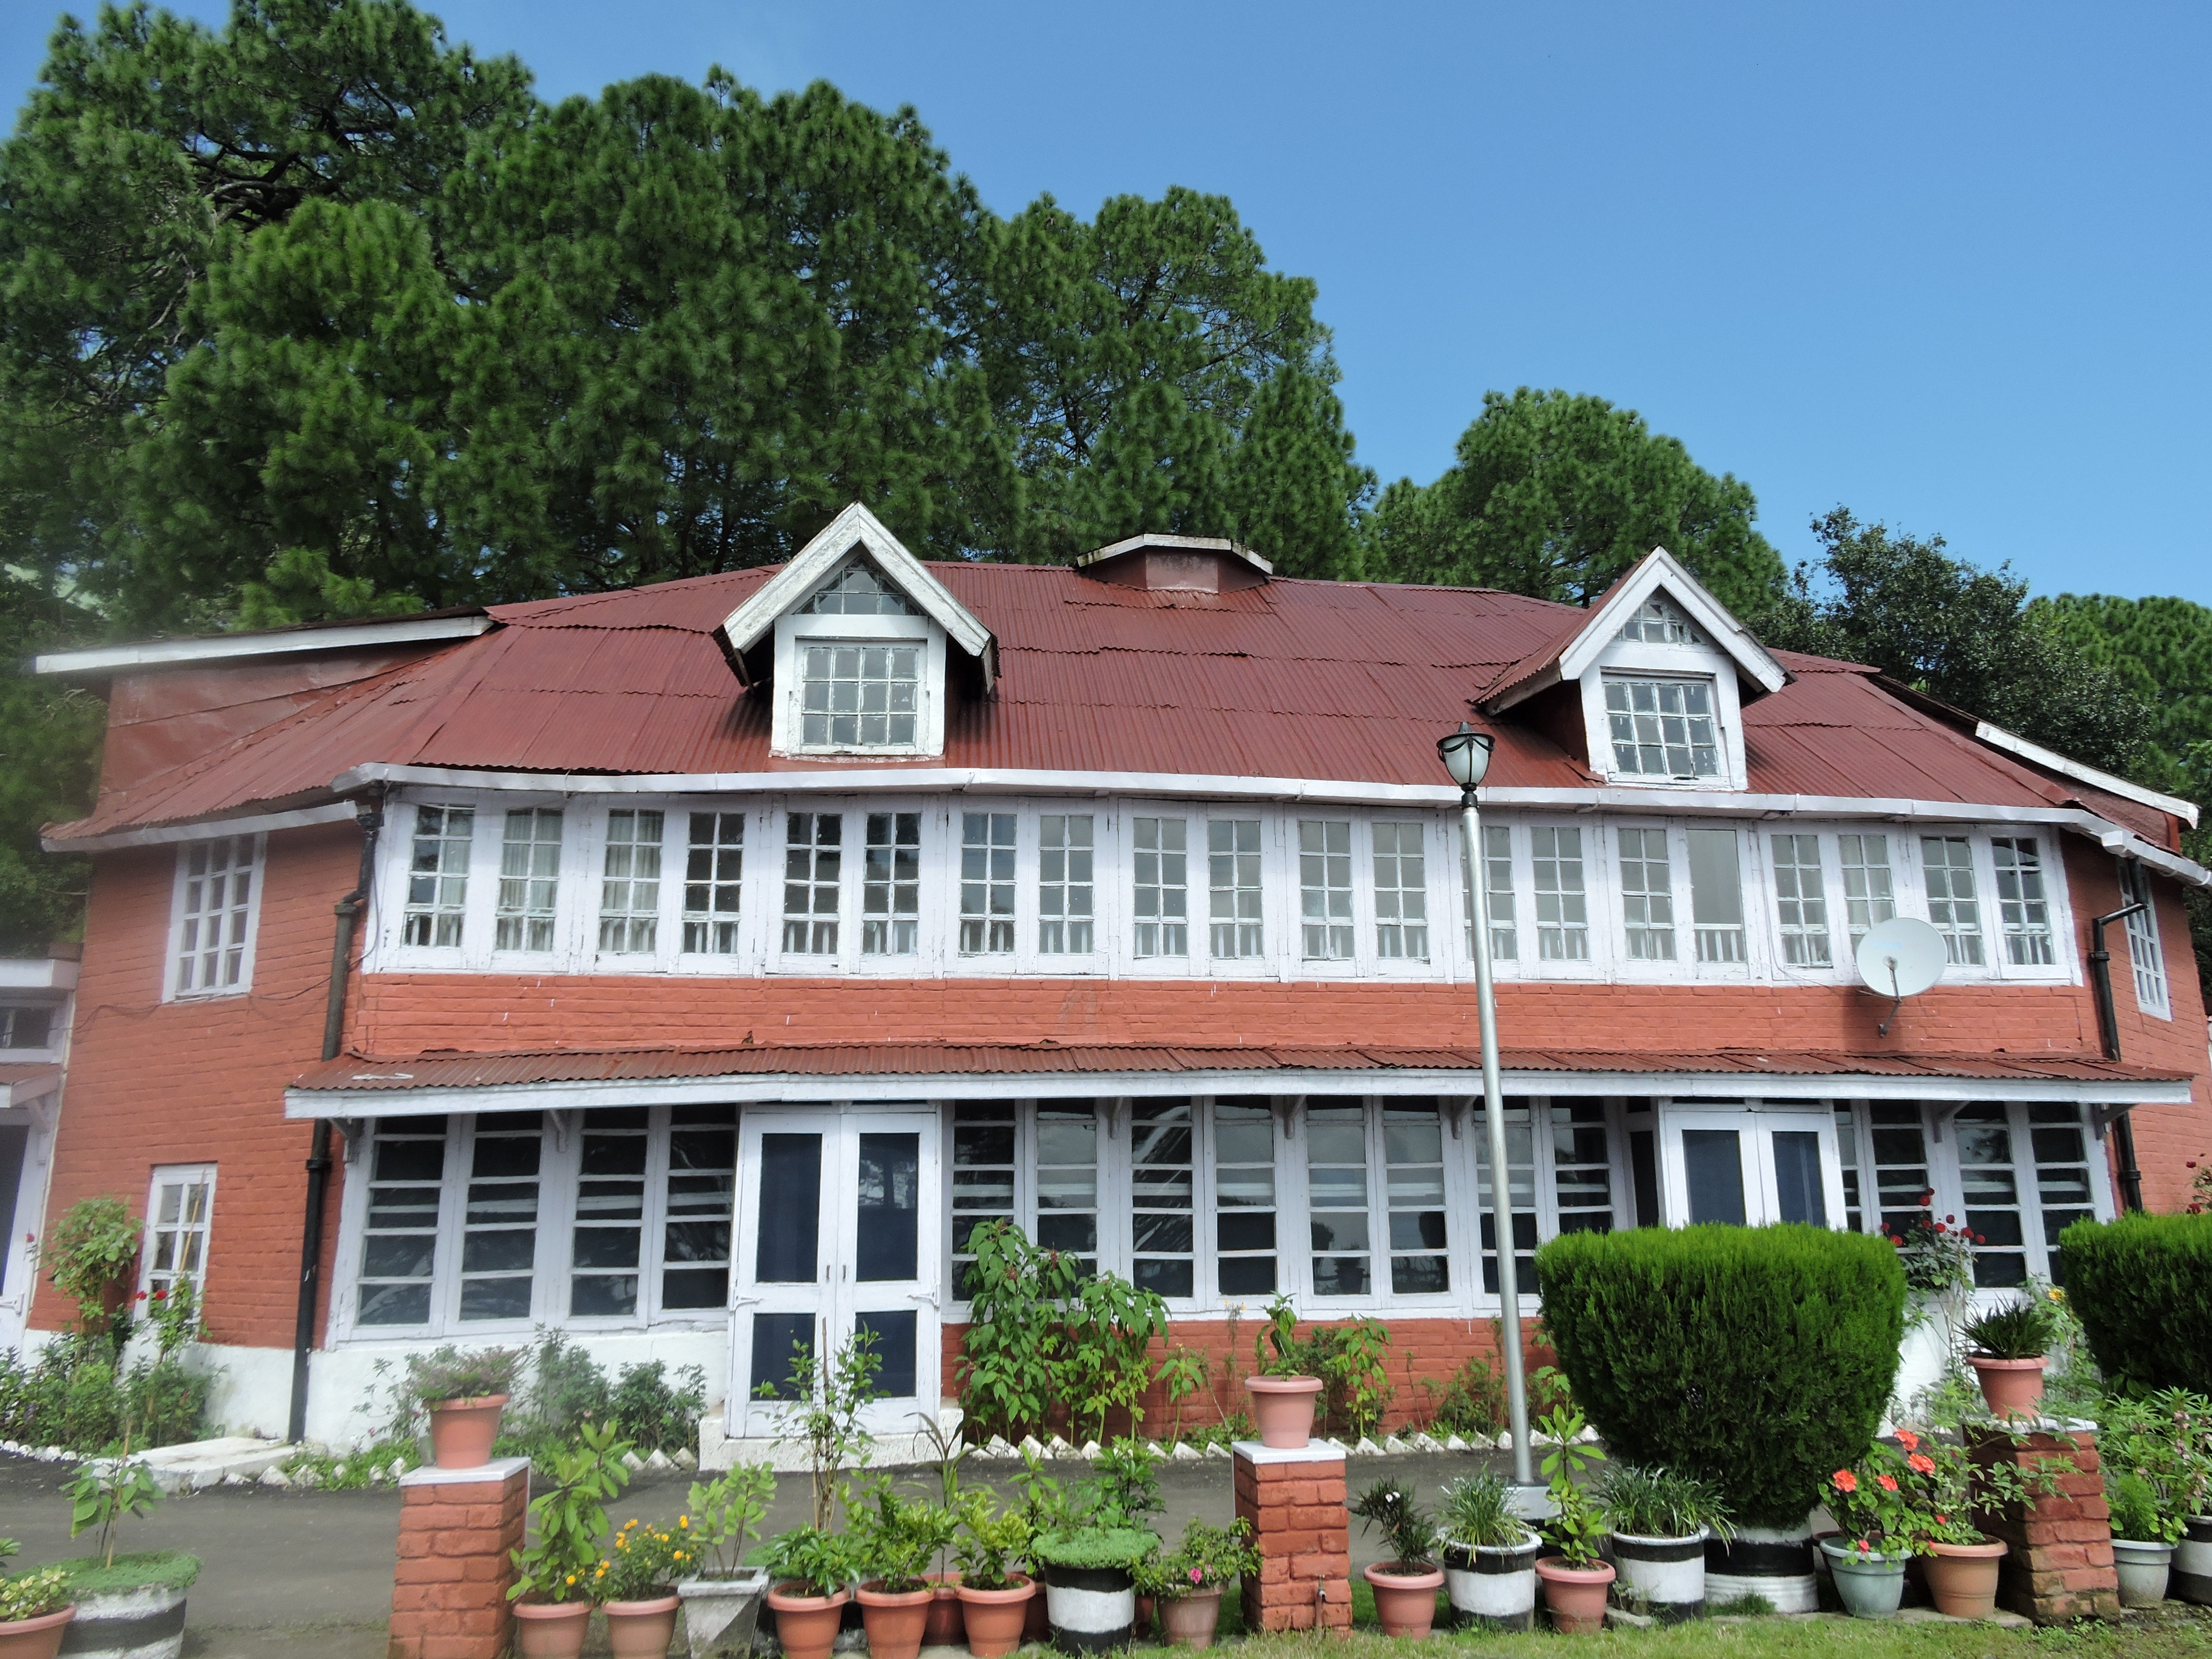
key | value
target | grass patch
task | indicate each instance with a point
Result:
(167, 1569)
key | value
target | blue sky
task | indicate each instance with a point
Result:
(1945, 265)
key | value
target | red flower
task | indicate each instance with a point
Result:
(1844, 1481)
(141, 1296)
(1927, 1198)
(1942, 1519)
(1921, 1463)
(1865, 1549)
(1979, 1239)
(160, 1295)
(1888, 1482)
(1949, 1218)
(1909, 1441)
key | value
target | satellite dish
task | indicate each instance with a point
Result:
(1899, 958)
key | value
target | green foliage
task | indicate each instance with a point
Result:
(824, 1419)
(2137, 1512)
(2167, 1439)
(1207, 1558)
(2021, 1327)
(1555, 495)
(644, 1561)
(818, 1561)
(1756, 1358)
(150, 1569)
(993, 1540)
(76, 1395)
(1648, 1503)
(49, 735)
(1349, 1359)
(452, 1373)
(725, 1515)
(1577, 1526)
(87, 1253)
(894, 1538)
(1473, 1402)
(1095, 1547)
(105, 1490)
(1277, 1351)
(33, 1593)
(1182, 1372)
(2161, 651)
(568, 1520)
(1477, 1511)
(2143, 1287)
(1408, 1530)
(1128, 1477)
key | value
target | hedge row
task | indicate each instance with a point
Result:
(2143, 1287)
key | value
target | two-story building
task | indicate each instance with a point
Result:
(724, 951)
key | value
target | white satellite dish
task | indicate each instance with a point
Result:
(1899, 958)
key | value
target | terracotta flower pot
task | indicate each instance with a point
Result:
(550, 1630)
(1575, 1596)
(1144, 1625)
(1404, 1602)
(462, 1430)
(2012, 1387)
(35, 1638)
(1962, 1578)
(806, 1625)
(945, 1627)
(1283, 1407)
(895, 1619)
(1189, 1621)
(1036, 1622)
(642, 1629)
(997, 1620)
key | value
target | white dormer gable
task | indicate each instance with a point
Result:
(859, 635)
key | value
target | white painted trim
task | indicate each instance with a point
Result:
(38, 974)
(2050, 759)
(258, 865)
(796, 631)
(257, 824)
(162, 653)
(1178, 543)
(22, 1096)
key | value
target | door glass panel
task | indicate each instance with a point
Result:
(786, 1251)
(890, 1209)
(777, 1338)
(894, 1332)
(983, 1138)
(1847, 1154)
(1900, 1164)
(1582, 1166)
(1067, 1180)
(1798, 1192)
(1712, 1166)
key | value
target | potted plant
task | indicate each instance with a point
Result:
(556, 1578)
(466, 1392)
(1660, 1520)
(2143, 1537)
(1044, 1509)
(125, 1604)
(2006, 1346)
(636, 1588)
(36, 1609)
(1406, 1585)
(945, 1627)
(1187, 1583)
(1489, 1555)
(1284, 1388)
(810, 1570)
(1877, 1517)
(894, 1538)
(2166, 1437)
(1962, 1562)
(1089, 1584)
(994, 1599)
(722, 1598)
(1575, 1579)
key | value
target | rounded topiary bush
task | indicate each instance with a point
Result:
(1759, 1358)
(2143, 1287)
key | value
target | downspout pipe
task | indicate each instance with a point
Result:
(348, 910)
(2108, 1029)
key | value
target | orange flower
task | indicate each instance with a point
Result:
(1909, 1441)
(1921, 1463)
(1888, 1482)
(1844, 1481)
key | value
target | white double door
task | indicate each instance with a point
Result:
(1749, 1166)
(839, 1231)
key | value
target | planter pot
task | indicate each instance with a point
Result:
(1492, 1587)
(1774, 1563)
(1283, 1408)
(1406, 1603)
(147, 1623)
(1189, 1621)
(1143, 1627)
(946, 1628)
(1668, 1574)
(720, 1615)
(462, 1430)
(642, 1629)
(1871, 1585)
(550, 1630)
(1036, 1622)
(2143, 1570)
(35, 1638)
(996, 1621)
(1962, 1578)
(807, 1625)
(2192, 1562)
(1574, 1596)
(1091, 1608)
(2012, 1387)
(895, 1619)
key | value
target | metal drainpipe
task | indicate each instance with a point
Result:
(2108, 1029)
(370, 818)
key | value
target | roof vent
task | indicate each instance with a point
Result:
(1177, 564)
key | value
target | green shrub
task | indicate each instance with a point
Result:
(2143, 1288)
(1756, 1358)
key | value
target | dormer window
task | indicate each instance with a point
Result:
(860, 696)
(857, 590)
(1657, 621)
(1662, 728)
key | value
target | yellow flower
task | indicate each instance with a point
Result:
(683, 1520)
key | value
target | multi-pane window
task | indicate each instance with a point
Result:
(1162, 1221)
(813, 866)
(1324, 889)
(891, 885)
(2023, 907)
(860, 696)
(1402, 893)
(2144, 955)
(1662, 728)
(1413, 1181)
(1847, 1155)
(984, 1149)
(629, 882)
(438, 876)
(1800, 900)
(1520, 1191)
(399, 1233)
(1562, 903)
(1868, 898)
(702, 1191)
(1582, 1166)
(529, 879)
(499, 1237)
(1498, 873)
(1947, 864)
(2061, 1176)
(1990, 1185)
(1647, 895)
(26, 1027)
(213, 917)
(858, 591)
(1233, 862)
(604, 1256)
(179, 1209)
(1068, 1179)
(1658, 623)
(985, 1156)
(986, 884)
(1066, 875)
(1716, 894)
(1161, 890)
(1337, 1198)
(1245, 1197)
(1900, 1164)
(713, 883)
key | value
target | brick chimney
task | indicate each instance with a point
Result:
(1177, 564)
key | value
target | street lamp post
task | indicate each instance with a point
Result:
(1466, 756)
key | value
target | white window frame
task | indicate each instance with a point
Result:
(2146, 949)
(1756, 1123)
(173, 988)
(182, 1175)
(796, 631)
(1658, 660)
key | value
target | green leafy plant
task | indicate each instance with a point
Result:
(1473, 1402)
(725, 1515)
(1129, 1479)
(643, 1562)
(1277, 1350)
(105, 1490)
(1043, 1496)
(1578, 1524)
(1353, 1364)
(2021, 1328)
(1208, 1558)
(558, 1563)
(1476, 1509)
(31, 1594)
(1009, 1358)
(1387, 1507)
(824, 1422)
(1947, 1486)
(894, 1539)
(995, 1540)
(2139, 1513)
(174, 1313)
(1102, 1366)
(88, 1254)
(2143, 1287)
(454, 1373)
(1647, 1503)
(1182, 1373)
(818, 1562)
(2166, 1438)
(1095, 1547)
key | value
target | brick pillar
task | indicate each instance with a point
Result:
(1295, 1501)
(449, 1591)
(2060, 1565)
